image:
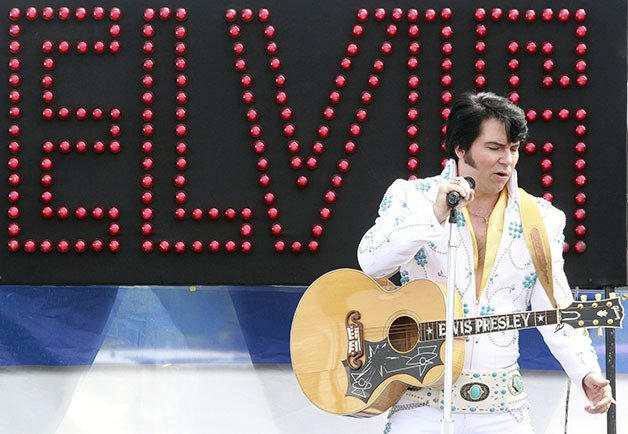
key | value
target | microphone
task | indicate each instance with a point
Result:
(453, 197)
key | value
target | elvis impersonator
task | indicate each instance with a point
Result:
(494, 274)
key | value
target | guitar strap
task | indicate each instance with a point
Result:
(538, 242)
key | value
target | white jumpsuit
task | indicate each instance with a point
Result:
(408, 238)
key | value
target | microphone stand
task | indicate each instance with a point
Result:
(447, 423)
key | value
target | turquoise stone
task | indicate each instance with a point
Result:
(475, 392)
(517, 384)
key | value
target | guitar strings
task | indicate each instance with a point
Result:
(551, 316)
(422, 325)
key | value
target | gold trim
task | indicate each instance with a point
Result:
(494, 233)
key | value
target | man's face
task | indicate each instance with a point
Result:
(490, 159)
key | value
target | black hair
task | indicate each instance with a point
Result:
(471, 109)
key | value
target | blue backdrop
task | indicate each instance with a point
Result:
(61, 326)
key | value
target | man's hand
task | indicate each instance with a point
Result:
(598, 391)
(458, 184)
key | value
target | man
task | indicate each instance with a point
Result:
(494, 273)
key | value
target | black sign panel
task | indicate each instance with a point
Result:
(248, 142)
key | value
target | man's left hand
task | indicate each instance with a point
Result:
(598, 391)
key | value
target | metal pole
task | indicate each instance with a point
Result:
(447, 423)
(611, 414)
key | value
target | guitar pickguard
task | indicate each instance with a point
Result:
(383, 361)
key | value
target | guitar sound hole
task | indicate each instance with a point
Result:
(403, 334)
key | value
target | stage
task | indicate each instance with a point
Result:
(196, 399)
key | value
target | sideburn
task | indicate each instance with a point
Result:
(468, 158)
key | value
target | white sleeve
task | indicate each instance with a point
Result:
(406, 221)
(570, 346)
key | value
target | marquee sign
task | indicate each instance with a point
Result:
(232, 142)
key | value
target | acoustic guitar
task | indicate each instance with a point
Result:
(356, 345)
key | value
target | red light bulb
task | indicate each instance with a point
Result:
(580, 246)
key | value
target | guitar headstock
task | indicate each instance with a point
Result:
(594, 313)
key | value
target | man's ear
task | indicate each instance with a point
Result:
(459, 152)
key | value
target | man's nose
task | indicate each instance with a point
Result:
(507, 157)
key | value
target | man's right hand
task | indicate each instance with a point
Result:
(459, 185)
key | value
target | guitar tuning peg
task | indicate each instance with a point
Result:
(624, 296)
(585, 332)
(599, 331)
(598, 296)
(583, 297)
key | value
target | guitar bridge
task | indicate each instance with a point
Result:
(355, 339)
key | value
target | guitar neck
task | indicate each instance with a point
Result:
(490, 324)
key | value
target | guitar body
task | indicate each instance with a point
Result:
(353, 343)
